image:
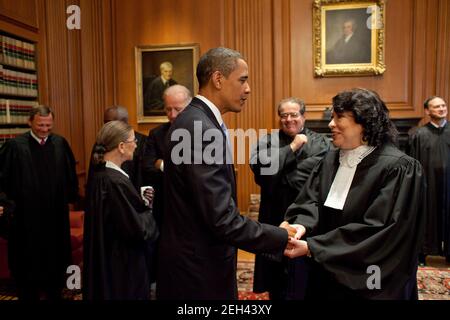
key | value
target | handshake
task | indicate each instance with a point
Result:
(295, 247)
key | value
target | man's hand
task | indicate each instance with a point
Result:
(290, 229)
(149, 194)
(296, 248)
(299, 229)
(298, 142)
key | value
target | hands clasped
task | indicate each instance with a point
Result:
(295, 247)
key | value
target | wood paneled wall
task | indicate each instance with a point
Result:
(81, 72)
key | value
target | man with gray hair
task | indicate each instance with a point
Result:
(202, 226)
(176, 98)
(430, 144)
(37, 173)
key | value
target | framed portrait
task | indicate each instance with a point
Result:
(349, 37)
(157, 68)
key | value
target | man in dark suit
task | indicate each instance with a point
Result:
(352, 47)
(176, 98)
(202, 226)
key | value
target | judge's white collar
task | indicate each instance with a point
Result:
(351, 158)
(114, 166)
(348, 162)
(442, 123)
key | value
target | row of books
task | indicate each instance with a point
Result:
(15, 111)
(11, 133)
(17, 52)
(18, 83)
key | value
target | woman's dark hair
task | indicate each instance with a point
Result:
(109, 137)
(370, 112)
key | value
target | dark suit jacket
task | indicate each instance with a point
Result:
(202, 226)
(156, 145)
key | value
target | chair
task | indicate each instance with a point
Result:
(76, 236)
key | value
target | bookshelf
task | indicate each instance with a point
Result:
(18, 84)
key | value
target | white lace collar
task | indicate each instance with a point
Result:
(348, 162)
(351, 158)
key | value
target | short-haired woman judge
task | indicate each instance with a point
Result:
(118, 223)
(362, 208)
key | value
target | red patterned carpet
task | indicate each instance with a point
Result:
(245, 282)
(433, 282)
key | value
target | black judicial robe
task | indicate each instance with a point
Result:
(41, 181)
(279, 190)
(116, 227)
(381, 224)
(431, 146)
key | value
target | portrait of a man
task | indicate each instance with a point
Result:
(158, 68)
(348, 39)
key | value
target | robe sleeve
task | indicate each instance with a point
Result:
(132, 223)
(387, 236)
(72, 178)
(306, 203)
(309, 156)
(263, 156)
(113, 201)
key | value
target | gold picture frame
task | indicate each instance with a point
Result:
(158, 67)
(348, 37)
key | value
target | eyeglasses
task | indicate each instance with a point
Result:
(134, 140)
(293, 115)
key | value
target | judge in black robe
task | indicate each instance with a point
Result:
(297, 149)
(41, 181)
(367, 249)
(117, 224)
(431, 146)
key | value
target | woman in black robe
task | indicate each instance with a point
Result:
(362, 208)
(117, 223)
